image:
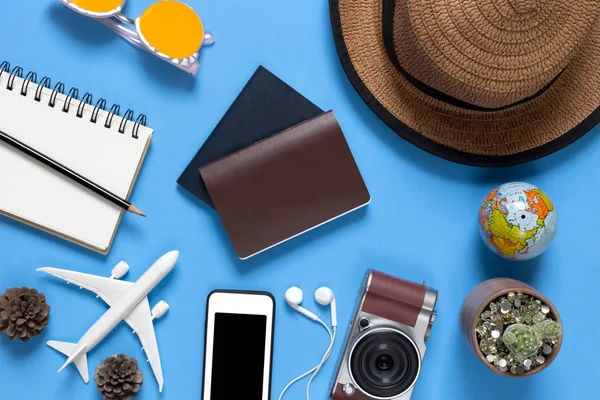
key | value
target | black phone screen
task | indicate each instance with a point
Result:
(238, 357)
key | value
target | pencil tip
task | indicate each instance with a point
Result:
(136, 210)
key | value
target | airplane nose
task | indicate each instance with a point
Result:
(166, 262)
(171, 257)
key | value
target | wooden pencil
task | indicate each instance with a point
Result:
(69, 173)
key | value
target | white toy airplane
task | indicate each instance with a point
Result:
(127, 302)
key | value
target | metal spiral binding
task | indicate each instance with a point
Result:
(126, 118)
(31, 77)
(114, 110)
(58, 88)
(100, 105)
(45, 84)
(17, 71)
(87, 99)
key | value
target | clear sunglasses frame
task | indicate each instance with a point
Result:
(128, 29)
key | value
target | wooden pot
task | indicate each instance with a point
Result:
(476, 302)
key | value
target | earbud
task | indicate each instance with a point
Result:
(294, 296)
(324, 296)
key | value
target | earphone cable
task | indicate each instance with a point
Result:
(317, 367)
(323, 361)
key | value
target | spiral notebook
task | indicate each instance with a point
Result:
(81, 134)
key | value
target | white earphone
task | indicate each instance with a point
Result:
(294, 296)
(323, 296)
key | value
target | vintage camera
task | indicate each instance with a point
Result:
(386, 340)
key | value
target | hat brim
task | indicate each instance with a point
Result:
(542, 126)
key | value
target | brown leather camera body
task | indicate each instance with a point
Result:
(389, 303)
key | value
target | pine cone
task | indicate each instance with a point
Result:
(118, 378)
(23, 313)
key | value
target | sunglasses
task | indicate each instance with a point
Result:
(169, 29)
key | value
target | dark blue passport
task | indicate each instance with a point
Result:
(265, 107)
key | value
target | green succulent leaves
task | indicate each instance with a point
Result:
(548, 329)
(523, 341)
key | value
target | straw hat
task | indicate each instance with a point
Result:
(480, 82)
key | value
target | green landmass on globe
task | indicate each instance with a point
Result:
(517, 218)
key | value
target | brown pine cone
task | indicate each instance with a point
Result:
(23, 313)
(118, 378)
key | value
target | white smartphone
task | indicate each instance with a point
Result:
(238, 345)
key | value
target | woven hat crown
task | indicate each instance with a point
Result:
(489, 53)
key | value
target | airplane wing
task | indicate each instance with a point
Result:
(107, 289)
(140, 320)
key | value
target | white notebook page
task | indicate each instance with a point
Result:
(35, 194)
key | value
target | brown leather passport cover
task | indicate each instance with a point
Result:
(285, 185)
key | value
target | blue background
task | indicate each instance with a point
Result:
(421, 224)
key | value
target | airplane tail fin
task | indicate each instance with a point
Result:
(75, 355)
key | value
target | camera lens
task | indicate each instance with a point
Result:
(385, 363)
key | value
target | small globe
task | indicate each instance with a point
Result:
(517, 221)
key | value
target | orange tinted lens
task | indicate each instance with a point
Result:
(98, 6)
(172, 28)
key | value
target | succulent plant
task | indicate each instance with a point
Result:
(548, 329)
(523, 341)
(517, 333)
